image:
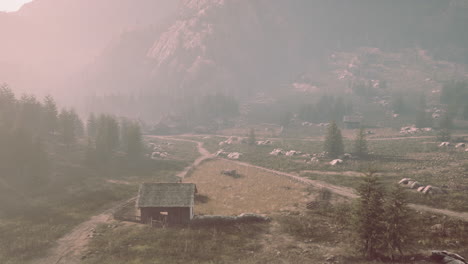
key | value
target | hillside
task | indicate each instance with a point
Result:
(48, 40)
(241, 48)
(159, 54)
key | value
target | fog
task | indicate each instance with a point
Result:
(234, 131)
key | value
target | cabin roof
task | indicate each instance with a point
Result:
(166, 195)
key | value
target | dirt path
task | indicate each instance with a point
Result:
(70, 248)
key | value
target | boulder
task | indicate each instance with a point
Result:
(314, 160)
(232, 173)
(234, 155)
(445, 257)
(336, 162)
(291, 153)
(277, 152)
(432, 190)
(404, 181)
(156, 155)
(444, 144)
(415, 185)
(220, 153)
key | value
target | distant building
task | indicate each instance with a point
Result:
(352, 122)
(168, 203)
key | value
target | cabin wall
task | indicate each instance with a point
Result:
(175, 215)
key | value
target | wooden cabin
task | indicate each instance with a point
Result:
(166, 203)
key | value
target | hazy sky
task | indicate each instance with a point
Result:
(12, 5)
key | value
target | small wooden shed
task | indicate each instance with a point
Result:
(170, 203)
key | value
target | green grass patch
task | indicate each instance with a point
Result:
(143, 244)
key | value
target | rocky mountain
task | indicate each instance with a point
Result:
(242, 48)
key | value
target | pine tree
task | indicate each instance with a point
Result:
(360, 144)
(131, 139)
(77, 123)
(67, 127)
(397, 221)
(107, 136)
(368, 219)
(50, 115)
(8, 107)
(30, 114)
(333, 144)
(251, 140)
(91, 127)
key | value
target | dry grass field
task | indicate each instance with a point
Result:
(254, 191)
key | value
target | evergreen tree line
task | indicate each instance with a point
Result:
(30, 129)
(210, 108)
(27, 125)
(108, 137)
(327, 108)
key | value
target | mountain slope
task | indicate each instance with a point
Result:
(48, 40)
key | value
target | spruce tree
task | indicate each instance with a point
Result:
(8, 107)
(360, 144)
(107, 136)
(131, 139)
(91, 127)
(333, 144)
(397, 221)
(50, 115)
(67, 127)
(368, 220)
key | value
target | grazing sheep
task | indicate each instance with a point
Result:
(460, 145)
